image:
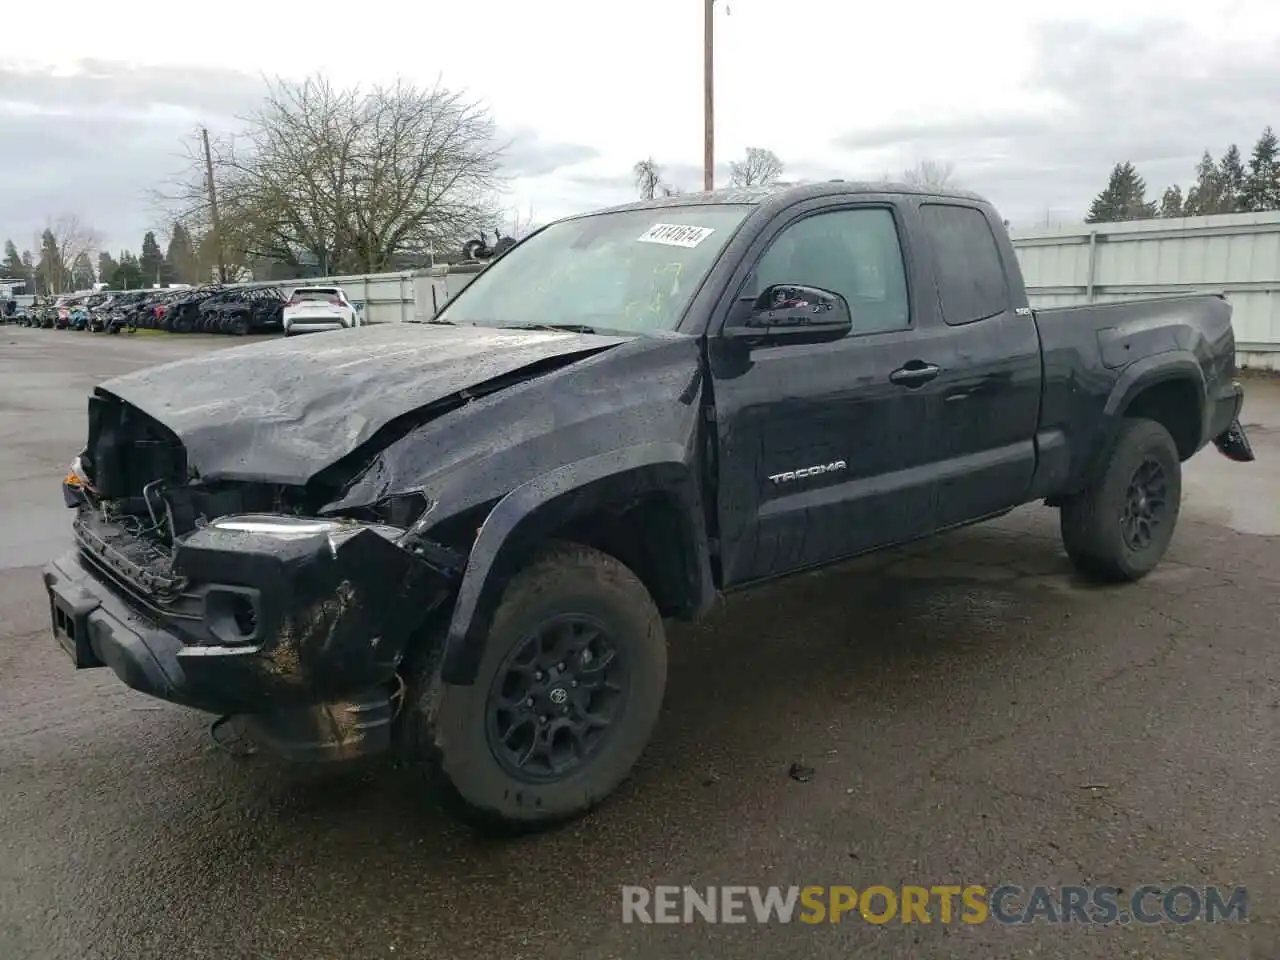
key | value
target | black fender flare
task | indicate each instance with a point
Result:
(530, 512)
(1171, 365)
(1149, 371)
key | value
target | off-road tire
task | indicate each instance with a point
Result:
(445, 725)
(1090, 520)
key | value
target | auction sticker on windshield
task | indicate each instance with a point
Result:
(675, 235)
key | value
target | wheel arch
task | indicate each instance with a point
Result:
(1168, 388)
(588, 501)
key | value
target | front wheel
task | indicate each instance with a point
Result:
(1118, 528)
(565, 700)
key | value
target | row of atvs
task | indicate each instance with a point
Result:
(210, 308)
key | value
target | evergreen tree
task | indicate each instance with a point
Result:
(52, 271)
(1231, 176)
(128, 275)
(82, 277)
(1205, 197)
(1262, 183)
(151, 262)
(1171, 202)
(181, 256)
(1125, 198)
(12, 267)
(106, 267)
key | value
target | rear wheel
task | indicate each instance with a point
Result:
(566, 697)
(1118, 528)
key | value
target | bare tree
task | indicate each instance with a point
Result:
(930, 175)
(758, 168)
(64, 240)
(648, 178)
(352, 179)
(74, 237)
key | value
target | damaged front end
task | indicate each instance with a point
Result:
(234, 597)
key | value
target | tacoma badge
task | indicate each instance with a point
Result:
(789, 475)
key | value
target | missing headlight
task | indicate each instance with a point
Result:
(403, 509)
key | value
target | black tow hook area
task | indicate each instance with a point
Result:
(358, 726)
(1233, 444)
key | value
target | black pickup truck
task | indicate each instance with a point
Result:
(460, 539)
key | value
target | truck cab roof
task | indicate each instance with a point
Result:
(777, 196)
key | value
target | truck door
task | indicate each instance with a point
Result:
(857, 409)
(989, 387)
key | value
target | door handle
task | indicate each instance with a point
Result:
(915, 374)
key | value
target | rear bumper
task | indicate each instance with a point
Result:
(1224, 426)
(317, 322)
(315, 678)
(1225, 408)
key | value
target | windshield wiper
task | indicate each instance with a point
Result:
(567, 327)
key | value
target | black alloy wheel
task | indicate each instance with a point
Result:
(553, 702)
(1146, 504)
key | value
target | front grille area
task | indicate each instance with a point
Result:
(129, 563)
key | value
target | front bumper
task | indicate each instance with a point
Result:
(313, 673)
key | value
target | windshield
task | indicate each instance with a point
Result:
(633, 271)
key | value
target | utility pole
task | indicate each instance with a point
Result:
(213, 206)
(708, 91)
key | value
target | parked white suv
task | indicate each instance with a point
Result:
(319, 308)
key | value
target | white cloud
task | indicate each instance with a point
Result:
(824, 84)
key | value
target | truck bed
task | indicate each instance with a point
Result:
(1098, 357)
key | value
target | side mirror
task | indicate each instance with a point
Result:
(792, 313)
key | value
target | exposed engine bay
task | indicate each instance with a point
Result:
(133, 476)
(265, 597)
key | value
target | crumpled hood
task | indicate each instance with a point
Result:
(283, 410)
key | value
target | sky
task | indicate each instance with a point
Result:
(1030, 103)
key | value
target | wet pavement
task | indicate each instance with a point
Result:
(971, 713)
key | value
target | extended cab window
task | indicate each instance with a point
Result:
(854, 253)
(971, 281)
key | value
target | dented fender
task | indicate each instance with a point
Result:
(532, 512)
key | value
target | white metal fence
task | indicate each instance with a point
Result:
(1235, 254)
(393, 297)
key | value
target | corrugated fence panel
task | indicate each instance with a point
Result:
(393, 297)
(1235, 254)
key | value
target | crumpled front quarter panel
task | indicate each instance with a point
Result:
(645, 391)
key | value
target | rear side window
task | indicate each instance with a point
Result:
(971, 281)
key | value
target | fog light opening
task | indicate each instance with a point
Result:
(244, 616)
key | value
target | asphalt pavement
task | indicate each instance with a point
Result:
(964, 711)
